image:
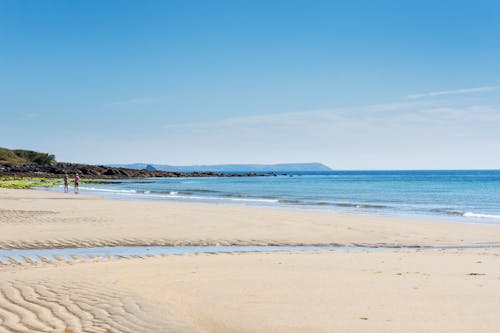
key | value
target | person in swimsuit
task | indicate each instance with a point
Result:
(65, 183)
(77, 182)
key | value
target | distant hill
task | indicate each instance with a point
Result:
(21, 156)
(283, 167)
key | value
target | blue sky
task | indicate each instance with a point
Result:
(353, 84)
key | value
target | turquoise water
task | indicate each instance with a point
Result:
(461, 196)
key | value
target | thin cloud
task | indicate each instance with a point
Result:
(251, 121)
(29, 116)
(370, 115)
(133, 101)
(299, 118)
(454, 92)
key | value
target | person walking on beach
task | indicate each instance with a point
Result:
(66, 184)
(77, 182)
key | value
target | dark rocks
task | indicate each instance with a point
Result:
(100, 171)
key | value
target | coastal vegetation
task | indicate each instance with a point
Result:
(22, 156)
(31, 182)
(28, 182)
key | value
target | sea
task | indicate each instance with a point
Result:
(464, 196)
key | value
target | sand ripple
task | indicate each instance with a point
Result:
(54, 306)
(29, 217)
(25, 216)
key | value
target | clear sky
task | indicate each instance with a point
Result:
(353, 84)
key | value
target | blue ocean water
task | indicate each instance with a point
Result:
(461, 196)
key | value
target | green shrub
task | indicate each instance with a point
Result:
(22, 156)
(35, 157)
(8, 156)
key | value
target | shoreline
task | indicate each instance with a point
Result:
(388, 290)
(89, 171)
(264, 202)
(45, 219)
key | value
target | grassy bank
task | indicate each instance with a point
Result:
(22, 156)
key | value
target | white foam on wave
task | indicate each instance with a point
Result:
(106, 190)
(483, 216)
(175, 195)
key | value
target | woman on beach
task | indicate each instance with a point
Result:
(77, 182)
(66, 184)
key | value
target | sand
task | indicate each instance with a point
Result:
(39, 219)
(391, 291)
(428, 291)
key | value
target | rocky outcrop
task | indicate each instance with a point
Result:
(101, 172)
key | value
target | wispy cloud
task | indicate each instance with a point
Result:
(418, 134)
(397, 114)
(133, 101)
(256, 121)
(29, 116)
(287, 119)
(454, 92)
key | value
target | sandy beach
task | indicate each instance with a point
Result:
(249, 166)
(40, 219)
(432, 290)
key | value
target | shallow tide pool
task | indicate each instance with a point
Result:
(130, 251)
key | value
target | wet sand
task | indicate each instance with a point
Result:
(39, 219)
(426, 291)
(396, 291)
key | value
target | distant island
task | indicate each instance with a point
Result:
(282, 167)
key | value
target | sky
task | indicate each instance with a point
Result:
(353, 84)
